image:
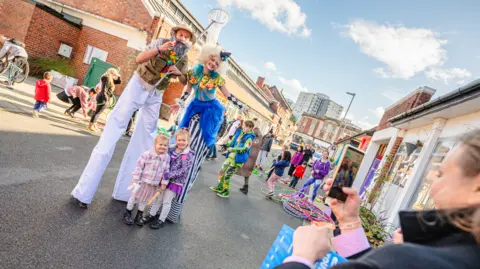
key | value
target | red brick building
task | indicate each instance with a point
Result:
(117, 28)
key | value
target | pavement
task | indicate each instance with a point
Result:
(42, 227)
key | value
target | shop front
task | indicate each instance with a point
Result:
(430, 134)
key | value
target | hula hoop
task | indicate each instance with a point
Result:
(315, 213)
(292, 211)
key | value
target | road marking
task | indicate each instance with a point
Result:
(245, 236)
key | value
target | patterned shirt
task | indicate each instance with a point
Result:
(151, 167)
(205, 85)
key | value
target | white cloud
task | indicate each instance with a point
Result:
(378, 111)
(447, 75)
(270, 66)
(250, 67)
(404, 51)
(284, 16)
(381, 72)
(363, 123)
(294, 87)
(461, 82)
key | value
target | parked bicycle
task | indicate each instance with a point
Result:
(14, 61)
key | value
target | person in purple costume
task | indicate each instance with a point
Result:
(181, 161)
(320, 169)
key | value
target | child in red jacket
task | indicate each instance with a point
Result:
(298, 174)
(42, 94)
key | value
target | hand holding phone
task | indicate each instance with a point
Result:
(345, 172)
(346, 212)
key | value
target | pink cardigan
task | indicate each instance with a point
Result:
(80, 93)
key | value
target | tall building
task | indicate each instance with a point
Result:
(317, 104)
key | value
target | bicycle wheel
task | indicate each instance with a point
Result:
(20, 69)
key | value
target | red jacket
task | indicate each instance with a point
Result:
(42, 91)
(299, 171)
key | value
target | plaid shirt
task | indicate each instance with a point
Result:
(151, 167)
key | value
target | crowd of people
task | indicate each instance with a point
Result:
(157, 171)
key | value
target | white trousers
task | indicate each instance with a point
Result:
(165, 200)
(134, 97)
(262, 156)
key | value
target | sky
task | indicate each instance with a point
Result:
(380, 50)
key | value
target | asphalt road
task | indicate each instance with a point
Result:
(41, 226)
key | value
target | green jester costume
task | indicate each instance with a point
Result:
(240, 150)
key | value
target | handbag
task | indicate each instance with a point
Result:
(62, 96)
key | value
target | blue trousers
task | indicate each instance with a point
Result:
(317, 184)
(212, 152)
(40, 106)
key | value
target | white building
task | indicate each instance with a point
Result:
(317, 104)
(425, 135)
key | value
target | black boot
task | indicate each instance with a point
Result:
(139, 218)
(157, 224)
(244, 189)
(150, 218)
(127, 217)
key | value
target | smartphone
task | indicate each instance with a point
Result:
(345, 173)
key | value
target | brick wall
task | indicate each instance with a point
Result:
(115, 46)
(418, 98)
(15, 16)
(46, 32)
(129, 12)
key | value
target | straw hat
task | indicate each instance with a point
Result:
(187, 28)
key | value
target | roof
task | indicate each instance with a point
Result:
(420, 89)
(368, 132)
(461, 95)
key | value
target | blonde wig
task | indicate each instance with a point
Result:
(209, 50)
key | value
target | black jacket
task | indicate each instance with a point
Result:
(440, 246)
(308, 154)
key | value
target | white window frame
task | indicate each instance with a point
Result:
(94, 52)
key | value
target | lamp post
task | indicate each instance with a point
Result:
(344, 122)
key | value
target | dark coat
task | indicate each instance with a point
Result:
(308, 154)
(440, 246)
(267, 143)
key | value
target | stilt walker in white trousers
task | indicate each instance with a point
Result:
(162, 60)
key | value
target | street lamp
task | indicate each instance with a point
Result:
(345, 123)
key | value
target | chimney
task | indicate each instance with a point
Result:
(260, 81)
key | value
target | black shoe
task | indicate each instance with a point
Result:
(127, 217)
(150, 218)
(244, 189)
(139, 218)
(82, 205)
(157, 224)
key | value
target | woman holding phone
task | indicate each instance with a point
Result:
(448, 237)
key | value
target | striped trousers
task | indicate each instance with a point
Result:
(200, 149)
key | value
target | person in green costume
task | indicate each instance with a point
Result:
(238, 152)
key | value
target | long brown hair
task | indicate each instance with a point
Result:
(469, 219)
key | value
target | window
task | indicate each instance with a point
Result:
(94, 52)
(403, 166)
(421, 198)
